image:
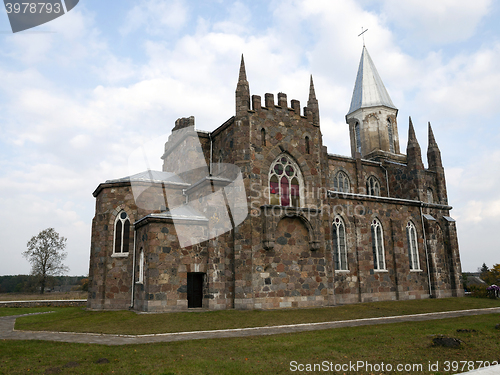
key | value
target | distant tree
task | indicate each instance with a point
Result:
(484, 270)
(46, 254)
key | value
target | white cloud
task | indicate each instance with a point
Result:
(156, 16)
(441, 21)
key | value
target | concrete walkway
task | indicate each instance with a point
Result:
(7, 329)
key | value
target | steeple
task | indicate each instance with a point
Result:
(372, 116)
(413, 152)
(369, 90)
(242, 91)
(312, 103)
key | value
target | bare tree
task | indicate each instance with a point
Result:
(46, 254)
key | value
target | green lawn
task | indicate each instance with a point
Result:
(127, 322)
(401, 343)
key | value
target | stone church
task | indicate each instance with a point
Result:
(306, 228)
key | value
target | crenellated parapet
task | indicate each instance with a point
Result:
(281, 106)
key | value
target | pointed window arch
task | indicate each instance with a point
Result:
(341, 182)
(357, 135)
(378, 245)
(391, 136)
(373, 186)
(285, 182)
(339, 244)
(122, 233)
(411, 235)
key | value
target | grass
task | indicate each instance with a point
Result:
(400, 343)
(127, 322)
(45, 296)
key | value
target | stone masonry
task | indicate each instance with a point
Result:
(383, 233)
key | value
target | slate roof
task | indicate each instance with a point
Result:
(369, 90)
(150, 176)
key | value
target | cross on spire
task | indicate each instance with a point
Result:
(363, 33)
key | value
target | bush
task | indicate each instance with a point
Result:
(478, 291)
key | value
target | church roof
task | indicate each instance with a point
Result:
(183, 212)
(369, 90)
(150, 176)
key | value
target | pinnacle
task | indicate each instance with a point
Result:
(243, 73)
(411, 133)
(432, 140)
(312, 93)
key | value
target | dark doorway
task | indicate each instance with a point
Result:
(195, 289)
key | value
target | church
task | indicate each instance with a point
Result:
(257, 214)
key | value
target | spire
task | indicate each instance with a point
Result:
(243, 74)
(369, 90)
(312, 93)
(433, 152)
(413, 152)
(312, 103)
(411, 133)
(432, 140)
(242, 91)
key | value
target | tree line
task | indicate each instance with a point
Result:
(31, 284)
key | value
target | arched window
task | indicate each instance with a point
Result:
(308, 146)
(341, 182)
(373, 186)
(430, 196)
(339, 244)
(122, 233)
(411, 235)
(357, 133)
(263, 136)
(285, 181)
(391, 137)
(378, 245)
(140, 278)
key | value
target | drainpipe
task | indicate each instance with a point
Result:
(133, 275)
(426, 251)
(211, 154)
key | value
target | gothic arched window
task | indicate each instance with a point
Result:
(411, 235)
(122, 233)
(373, 186)
(357, 133)
(341, 182)
(391, 137)
(378, 245)
(339, 244)
(285, 181)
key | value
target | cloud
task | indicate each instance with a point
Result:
(156, 17)
(436, 22)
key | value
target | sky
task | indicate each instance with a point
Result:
(79, 94)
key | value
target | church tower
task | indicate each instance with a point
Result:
(372, 116)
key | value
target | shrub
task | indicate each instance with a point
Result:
(478, 291)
